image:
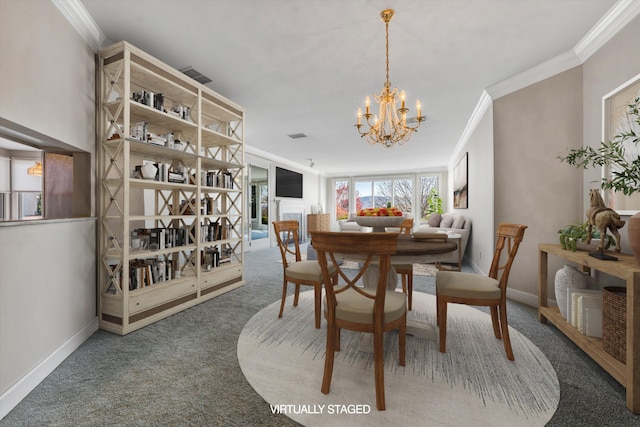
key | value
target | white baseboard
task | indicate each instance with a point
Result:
(20, 390)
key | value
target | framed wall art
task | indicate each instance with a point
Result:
(461, 183)
(616, 120)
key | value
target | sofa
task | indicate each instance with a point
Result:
(351, 225)
(448, 222)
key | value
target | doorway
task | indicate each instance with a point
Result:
(258, 233)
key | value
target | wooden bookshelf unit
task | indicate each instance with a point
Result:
(625, 268)
(170, 172)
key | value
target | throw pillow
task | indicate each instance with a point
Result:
(447, 221)
(458, 222)
(434, 220)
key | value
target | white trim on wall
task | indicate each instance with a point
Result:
(81, 21)
(20, 390)
(608, 26)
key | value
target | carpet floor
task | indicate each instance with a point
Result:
(184, 370)
(472, 384)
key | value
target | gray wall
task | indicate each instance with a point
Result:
(603, 72)
(531, 127)
(522, 135)
(47, 269)
(481, 194)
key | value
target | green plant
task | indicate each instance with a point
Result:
(625, 171)
(577, 232)
(434, 202)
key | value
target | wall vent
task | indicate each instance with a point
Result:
(195, 75)
(297, 135)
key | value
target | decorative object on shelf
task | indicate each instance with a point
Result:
(379, 223)
(614, 322)
(568, 277)
(390, 126)
(620, 154)
(574, 236)
(603, 218)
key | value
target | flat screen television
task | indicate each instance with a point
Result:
(288, 183)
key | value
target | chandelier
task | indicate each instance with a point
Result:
(389, 127)
(35, 170)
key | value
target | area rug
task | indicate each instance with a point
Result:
(473, 384)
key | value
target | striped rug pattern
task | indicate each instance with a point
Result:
(472, 384)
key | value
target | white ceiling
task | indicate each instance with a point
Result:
(306, 66)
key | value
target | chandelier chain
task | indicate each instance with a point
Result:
(387, 83)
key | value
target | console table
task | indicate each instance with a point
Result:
(625, 268)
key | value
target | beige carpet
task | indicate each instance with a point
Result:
(473, 384)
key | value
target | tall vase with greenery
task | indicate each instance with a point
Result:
(625, 168)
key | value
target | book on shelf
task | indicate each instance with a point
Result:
(160, 238)
(149, 271)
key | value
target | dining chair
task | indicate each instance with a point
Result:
(296, 270)
(405, 270)
(474, 289)
(348, 306)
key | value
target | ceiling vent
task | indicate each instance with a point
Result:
(195, 75)
(297, 135)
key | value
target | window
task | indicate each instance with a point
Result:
(341, 188)
(430, 196)
(416, 195)
(376, 194)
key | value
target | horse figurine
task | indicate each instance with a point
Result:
(603, 218)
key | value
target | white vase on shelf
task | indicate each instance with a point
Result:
(568, 277)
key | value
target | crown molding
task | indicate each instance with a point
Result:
(479, 111)
(620, 14)
(79, 18)
(608, 26)
(556, 65)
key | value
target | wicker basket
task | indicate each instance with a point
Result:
(614, 322)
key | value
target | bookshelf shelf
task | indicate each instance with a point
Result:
(173, 240)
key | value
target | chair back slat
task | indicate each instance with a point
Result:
(406, 226)
(510, 235)
(287, 232)
(371, 248)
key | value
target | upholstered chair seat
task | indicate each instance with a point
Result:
(352, 307)
(469, 285)
(306, 270)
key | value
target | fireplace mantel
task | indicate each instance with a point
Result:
(293, 210)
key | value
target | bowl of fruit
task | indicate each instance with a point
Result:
(380, 218)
